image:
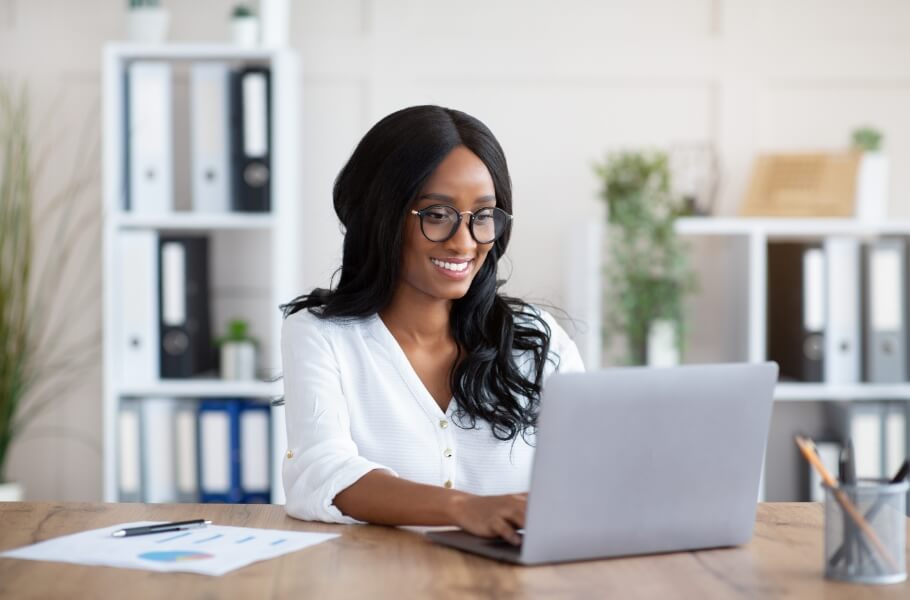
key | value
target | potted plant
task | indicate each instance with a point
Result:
(647, 271)
(38, 361)
(872, 176)
(244, 26)
(147, 21)
(238, 352)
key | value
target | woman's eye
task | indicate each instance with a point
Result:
(436, 215)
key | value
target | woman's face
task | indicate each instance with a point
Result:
(445, 270)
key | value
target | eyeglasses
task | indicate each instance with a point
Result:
(439, 223)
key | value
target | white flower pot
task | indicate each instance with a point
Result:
(245, 31)
(148, 24)
(238, 361)
(12, 492)
(872, 187)
(662, 351)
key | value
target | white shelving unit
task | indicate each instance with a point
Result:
(273, 235)
(742, 283)
(753, 235)
(759, 232)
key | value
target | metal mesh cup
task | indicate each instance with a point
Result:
(873, 554)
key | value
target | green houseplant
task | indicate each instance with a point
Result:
(647, 273)
(37, 361)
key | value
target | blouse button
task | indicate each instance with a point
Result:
(448, 484)
(447, 453)
(443, 423)
(290, 454)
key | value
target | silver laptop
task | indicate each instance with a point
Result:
(639, 461)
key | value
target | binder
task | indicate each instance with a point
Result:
(843, 341)
(251, 139)
(186, 449)
(885, 267)
(895, 437)
(129, 451)
(866, 431)
(136, 326)
(255, 452)
(796, 309)
(186, 345)
(150, 169)
(219, 451)
(158, 449)
(829, 453)
(210, 123)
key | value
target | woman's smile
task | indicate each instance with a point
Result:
(453, 268)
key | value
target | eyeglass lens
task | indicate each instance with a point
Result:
(439, 223)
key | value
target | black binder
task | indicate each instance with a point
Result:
(251, 128)
(186, 341)
(798, 346)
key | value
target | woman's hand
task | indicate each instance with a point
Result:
(491, 516)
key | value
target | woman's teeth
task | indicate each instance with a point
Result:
(454, 267)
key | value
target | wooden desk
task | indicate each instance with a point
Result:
(784, 560)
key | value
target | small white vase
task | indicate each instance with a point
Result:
(662, 351)
(245, 31)
(872, 187)
(12, 492)
(238, 361)
(148, 24)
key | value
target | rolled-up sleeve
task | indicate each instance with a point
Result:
(322, 458)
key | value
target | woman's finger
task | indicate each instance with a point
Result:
(506, 531)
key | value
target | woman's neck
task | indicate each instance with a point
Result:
(414, 317)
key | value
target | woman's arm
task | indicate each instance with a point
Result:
(381, 498)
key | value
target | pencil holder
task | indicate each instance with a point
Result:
(865, 532)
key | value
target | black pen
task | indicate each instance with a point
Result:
(161, 528)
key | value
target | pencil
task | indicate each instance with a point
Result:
(807, 447)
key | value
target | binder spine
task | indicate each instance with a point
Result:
(251, 139)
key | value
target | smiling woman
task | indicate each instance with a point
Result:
(415, 337)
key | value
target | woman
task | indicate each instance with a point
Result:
(413, 387)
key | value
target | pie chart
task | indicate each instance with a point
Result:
(175, 556)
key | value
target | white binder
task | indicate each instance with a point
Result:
(210, 122)
(185, 447)
(866, 431)
(129, 451)
(158, 444)
(885, 321)
(215, 453)
(843, 343)
(150, 138)
(895, 438)
(255, 447)
(829, 453)
(137, 305)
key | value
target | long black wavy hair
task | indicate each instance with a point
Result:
(372, 196)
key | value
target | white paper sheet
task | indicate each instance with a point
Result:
(212, 550)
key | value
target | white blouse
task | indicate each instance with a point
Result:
(354, 403)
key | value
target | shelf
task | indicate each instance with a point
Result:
(190, 51)
(205, 388)
(860, 391)
(188, 221)
(770, 227)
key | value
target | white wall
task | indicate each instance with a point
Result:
(559, 83)
(562, 83)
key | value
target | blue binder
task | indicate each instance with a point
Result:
(219, 450)
(234, 451)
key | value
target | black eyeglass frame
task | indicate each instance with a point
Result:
(459, 216)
